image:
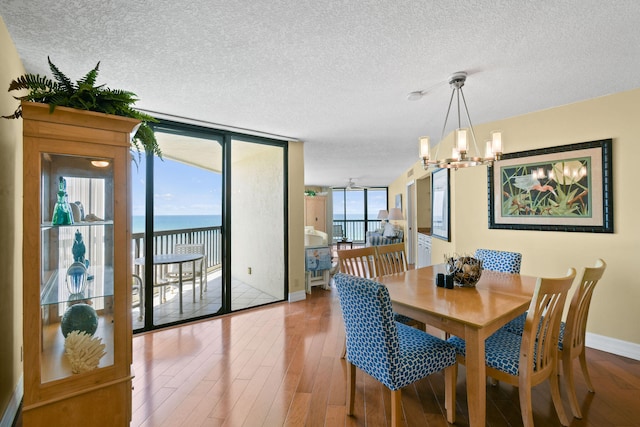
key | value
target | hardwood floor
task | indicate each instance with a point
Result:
(280, 365)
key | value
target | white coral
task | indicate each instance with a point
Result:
(83, 351)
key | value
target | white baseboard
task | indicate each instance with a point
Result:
(14, 405)
(614, 346)
(297, 296)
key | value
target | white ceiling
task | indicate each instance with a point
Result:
(335, 74)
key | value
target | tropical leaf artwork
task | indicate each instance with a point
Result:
(551, 189)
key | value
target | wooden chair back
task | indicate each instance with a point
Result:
(575, 329)
(358, 262)
(391, 259)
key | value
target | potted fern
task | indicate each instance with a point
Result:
(85, 95)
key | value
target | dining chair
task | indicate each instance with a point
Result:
(501, 261)
(573, 331)
(359, 262)
(392, 259)
(527, 360)
(394, 354)
(571, 345)
(187, 268)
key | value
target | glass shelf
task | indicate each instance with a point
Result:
(47, 225)
(55, 291)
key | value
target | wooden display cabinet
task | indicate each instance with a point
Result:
(77, 276)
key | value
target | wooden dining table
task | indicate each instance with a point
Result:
(472, 313)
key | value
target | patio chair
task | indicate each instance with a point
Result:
(187, 268)
(394, 354)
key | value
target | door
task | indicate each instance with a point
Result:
(316, 212)
(411, 235)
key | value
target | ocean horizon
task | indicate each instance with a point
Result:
(181, 222)
(177, 222)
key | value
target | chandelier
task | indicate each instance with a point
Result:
(461, 157)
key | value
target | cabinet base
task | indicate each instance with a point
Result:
(108, 406)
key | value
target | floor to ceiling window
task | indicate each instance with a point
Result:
(211, 212)
(355, 211)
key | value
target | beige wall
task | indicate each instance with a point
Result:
(296, 217)
(615, 311)
(258, 210)
(10, 230)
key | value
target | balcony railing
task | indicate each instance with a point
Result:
(355, 229)
(164, 242)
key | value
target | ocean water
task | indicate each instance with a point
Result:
(177, 222)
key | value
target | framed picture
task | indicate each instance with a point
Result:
(565, 188)
(440, 213)
(399, 201)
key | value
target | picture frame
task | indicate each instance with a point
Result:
(399, 201)
(440, 205)
(563, 188)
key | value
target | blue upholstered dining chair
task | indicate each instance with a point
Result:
(527, 360)
(502, 261)
(395, 354)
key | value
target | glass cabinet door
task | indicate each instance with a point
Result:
(77, 265)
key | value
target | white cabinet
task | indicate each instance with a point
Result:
(424, 250)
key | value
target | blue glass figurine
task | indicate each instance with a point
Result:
(62, 211)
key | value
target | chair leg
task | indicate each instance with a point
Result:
(525, 406)
(585, 371)
(450, 380)
(351, 387)
(567, 369)
(396, 408)
(557, 400)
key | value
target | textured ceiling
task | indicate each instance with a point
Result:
(335, 74)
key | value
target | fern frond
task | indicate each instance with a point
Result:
(16, 114)
(90, 77)
(64, 81)
(33, 82)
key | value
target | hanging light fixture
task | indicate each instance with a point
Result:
(461, 156)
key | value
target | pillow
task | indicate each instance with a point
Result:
(389, 230)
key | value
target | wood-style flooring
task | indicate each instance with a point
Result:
(279, 365)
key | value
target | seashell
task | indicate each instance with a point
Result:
(83, 351)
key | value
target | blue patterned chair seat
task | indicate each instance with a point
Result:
(502, 351)
(501, 261)
(516, 326)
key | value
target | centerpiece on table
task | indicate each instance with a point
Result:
(466, 270)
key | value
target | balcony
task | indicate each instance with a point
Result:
(166, 308)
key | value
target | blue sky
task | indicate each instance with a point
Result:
(355, 203)
(179, 189)
(186, 190)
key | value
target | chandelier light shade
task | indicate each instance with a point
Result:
(462, 155)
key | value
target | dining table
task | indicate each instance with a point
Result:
(471, 313)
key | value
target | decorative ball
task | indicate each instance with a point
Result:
(79, 317)
(466, 270)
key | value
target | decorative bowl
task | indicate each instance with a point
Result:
(466, 270)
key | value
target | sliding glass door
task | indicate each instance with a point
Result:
(209, 226)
